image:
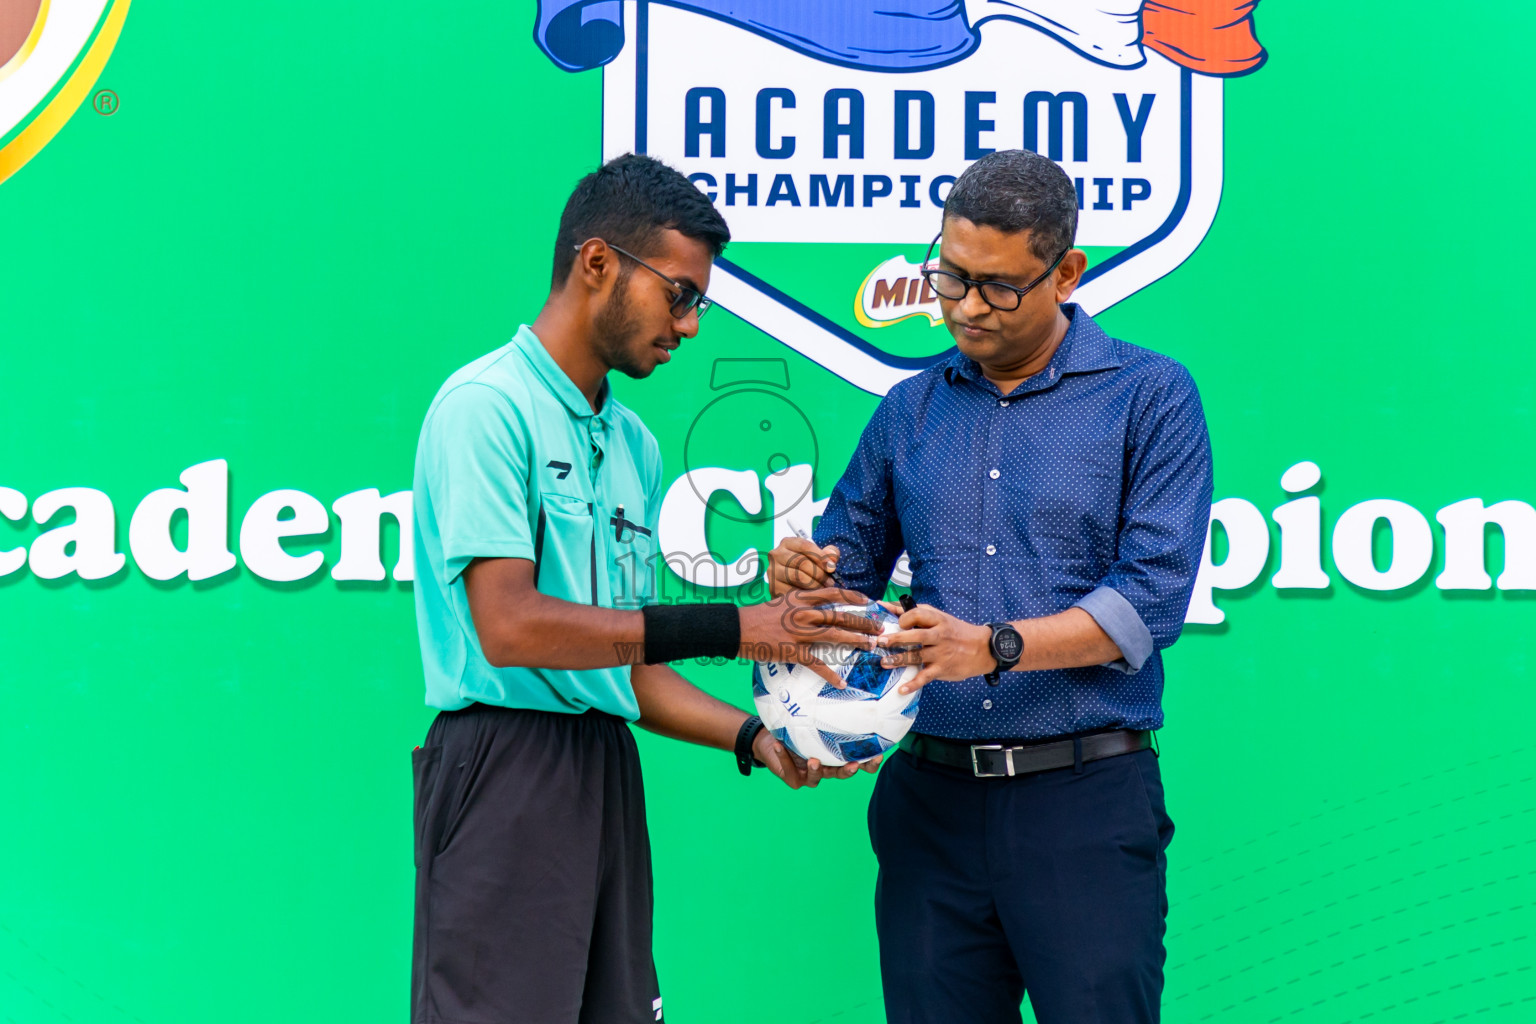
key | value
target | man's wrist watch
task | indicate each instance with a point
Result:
(1007, 648)
(744, 759)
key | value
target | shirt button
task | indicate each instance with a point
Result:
(994, 474)
(1003, 403)
(991, 549)
(986, 705)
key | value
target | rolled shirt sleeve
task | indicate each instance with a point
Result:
(1142, 601)
(1119, 619)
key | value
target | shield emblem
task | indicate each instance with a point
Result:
(51, 53)
(828, 135)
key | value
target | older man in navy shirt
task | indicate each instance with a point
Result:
(1052, 487)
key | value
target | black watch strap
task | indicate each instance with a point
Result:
(744, 759)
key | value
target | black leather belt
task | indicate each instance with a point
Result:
(1002, 760)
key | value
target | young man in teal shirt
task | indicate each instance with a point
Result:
(536, 501)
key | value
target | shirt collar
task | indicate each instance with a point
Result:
(1084, 349)
(558, 382)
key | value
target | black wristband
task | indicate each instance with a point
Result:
(676, 632)
(748, 732)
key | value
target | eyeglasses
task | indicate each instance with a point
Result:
(688, 299)
(1000, 296)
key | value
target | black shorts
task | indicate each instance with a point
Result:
(533, 872)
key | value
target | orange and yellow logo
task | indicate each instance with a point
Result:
(51, 54)
(895, 291)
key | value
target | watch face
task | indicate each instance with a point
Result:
(1007, 644)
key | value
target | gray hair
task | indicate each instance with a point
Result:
(1019, 190)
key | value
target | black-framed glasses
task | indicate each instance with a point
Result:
(688, 299)
(999, 295)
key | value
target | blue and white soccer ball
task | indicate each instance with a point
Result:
(815, 719)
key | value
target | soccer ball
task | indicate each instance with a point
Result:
(815, 719)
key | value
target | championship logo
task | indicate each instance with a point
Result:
(51, 53)
(829, 134)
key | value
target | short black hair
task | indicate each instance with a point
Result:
(1019, 190)
(629, 201)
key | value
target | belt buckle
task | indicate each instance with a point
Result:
(1007, 760)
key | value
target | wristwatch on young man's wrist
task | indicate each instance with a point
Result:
(1007, 647)
(745, 761)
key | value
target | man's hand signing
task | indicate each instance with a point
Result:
(798, 564)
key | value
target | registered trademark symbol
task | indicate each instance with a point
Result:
(105, 102)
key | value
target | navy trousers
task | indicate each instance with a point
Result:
(1050, 884)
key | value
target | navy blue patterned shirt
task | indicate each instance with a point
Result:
(1088, 486)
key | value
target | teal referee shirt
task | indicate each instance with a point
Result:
(513, 463)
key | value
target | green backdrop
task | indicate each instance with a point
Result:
(300, 220)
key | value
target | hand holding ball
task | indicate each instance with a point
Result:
(817, 720)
